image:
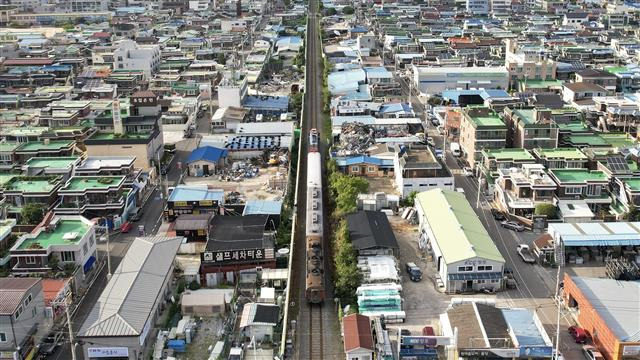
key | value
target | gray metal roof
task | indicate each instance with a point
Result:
(128, 298)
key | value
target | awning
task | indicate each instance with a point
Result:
(87, 266)
(475, 276)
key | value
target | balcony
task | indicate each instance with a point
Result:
(77, 207)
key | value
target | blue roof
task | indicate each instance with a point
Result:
(266, 207)
(283, 40)
(359, 29)
(378, 72)
(196, 193)
(345, 81)
(395, 107)
(208, 153)
(267, 102)
(522, 323)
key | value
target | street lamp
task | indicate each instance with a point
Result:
(106, 227)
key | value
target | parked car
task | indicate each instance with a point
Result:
(592, 353)
(512, 225)
(498, 215)
(466, 171)
(126, 227)
(415, 274)
(137, 215)
(526, 254)
(431, 142)
(50, 343)
(579, 335)
(559, 355)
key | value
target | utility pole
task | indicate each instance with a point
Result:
(106, 226)
(558, 309)
(479, 187)
(66, 310)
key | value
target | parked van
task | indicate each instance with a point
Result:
(455, 149)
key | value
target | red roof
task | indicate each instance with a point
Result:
(28, 61)
(101, 34)
(357, 332)
(51, 288)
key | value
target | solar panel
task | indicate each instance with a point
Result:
(618, 164)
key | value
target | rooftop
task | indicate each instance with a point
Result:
(561, 153)
(83, 183)
(44, 146)
(11, 292)
(32, 184)
(508, 154)
(66, 232)
(578, 175)
(52, 162)
(113, 136)
(196, 193)
(632, 183)
(457, 229)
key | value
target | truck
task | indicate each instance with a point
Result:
(455, 149)
(526, 254)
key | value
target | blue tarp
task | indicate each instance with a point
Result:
(90, 261)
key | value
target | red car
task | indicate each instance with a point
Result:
(579, 334)
(428, 331)
(124, 228)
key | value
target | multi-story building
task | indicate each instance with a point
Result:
(94, 196)
(582, 185)
(530, 128)
(599, 77)
(21, 314)
(480, 128)
(561, 158)
(22, 190)
(131, 56)
(418, 169)
(500, 7)
(54, 244)
(477, 7)
(527, 62)
(519, 191)
(434, 80)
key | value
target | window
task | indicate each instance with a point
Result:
(91, 241)
(85, 248)
(573, 190)
(67, 256)
(465, 268)
(485, 267)
(30, 260)
(3, 337)
(371, 169)
(27, 300)
(18, 312)
(355, 169)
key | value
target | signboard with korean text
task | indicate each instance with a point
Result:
(219, 257)
(107, 352)
(490, 353)
(631, 350)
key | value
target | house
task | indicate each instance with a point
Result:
(55, 291)
(626, 192)
(576, 91)
(599, 77)
(480, 128)
(146, 146)
(612, 325)
(51, 166)
(206, 302)
(130, 56)
(193, 199)
(363, 165)
(45, 148)
(357, 337)
(22, 190)
(371, 234)
(258, 320)
(561, 158)
(466, 257)
(95, 196)
(206, 160)
(417, 168)
(519, 191)
(21, 313)
(575, 19)
(57, 242)
(132, 300)
(530, 128)
(237, 243)
(590, 186)
(193, 227)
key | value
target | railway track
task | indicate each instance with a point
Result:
(316, 345)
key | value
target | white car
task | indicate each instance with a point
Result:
(430, 141)
(591, 352)
(466, 171)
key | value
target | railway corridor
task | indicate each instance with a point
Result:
(317, 330)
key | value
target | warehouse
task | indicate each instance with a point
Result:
(119, 323)
(465, 257)
(434, 80)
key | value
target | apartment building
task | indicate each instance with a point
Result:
(530, 128)
(131, 56)
(480, 128)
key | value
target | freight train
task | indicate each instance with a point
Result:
(314, 290)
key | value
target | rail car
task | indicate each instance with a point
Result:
(314, 237)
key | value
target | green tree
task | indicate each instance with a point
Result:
(348, 10)
(347, 276)
(633, 214)
(32, 213)
(410, 200)
(194, 285)
(331, 11)
(221, 59)
(546, 209)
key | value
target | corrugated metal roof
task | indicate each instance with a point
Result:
(126, 301)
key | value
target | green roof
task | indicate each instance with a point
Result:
(615, 69)
(527, 116)
(587, 139)
(618, 140)
(578, 175)
(112, 136)
(52, 162)
(82, 183)
(508, 154)
(561, 153)
(457, 229)
(32, 184)
(573, 127)
(41, 146)
(56, 237)
(4, 178)
(9, 146)
(490, 119)
(632, 183)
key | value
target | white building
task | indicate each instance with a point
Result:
(500, 7)
(232, 91)
(418, 169)
(258, 321)
(131, 56)
(466, 257)
(233, 24)
(434, 80)
(477, 7)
